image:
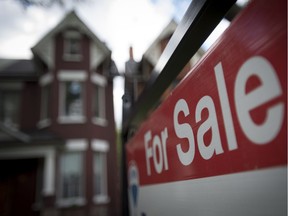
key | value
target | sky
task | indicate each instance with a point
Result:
(118, 23)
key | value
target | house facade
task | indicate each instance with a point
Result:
(57, 128)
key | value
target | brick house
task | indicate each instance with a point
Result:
(57, 128)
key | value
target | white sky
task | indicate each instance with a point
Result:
(118, 23)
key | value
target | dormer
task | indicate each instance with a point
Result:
(73, 48)
(73, 30)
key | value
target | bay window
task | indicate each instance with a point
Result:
(99, 102)
(45, 112)
(71, 96)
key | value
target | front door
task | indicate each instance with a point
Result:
(18, 183)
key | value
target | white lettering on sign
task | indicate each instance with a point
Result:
(184, 131)
(225, 107)
(207, 150)
(158, 145)
(268, 90)
(245, 102)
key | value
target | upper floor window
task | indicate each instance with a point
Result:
(9, 108)
(72, 46)
(99, 102)
(73, 102)
(45, 95)
(71, 96)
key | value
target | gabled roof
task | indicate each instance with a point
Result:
(22, 69)
(44, 48)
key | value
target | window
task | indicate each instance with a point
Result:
(100, 174)
(45, 115)
(99, 103)
(100, 148)
(45, 110)
(71, 166)
(45, 102)
(9, 108)
(72, 46)
(71, 175)
(71, 108)
(71, 178)
(73, 103)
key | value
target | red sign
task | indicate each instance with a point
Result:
(229, 115)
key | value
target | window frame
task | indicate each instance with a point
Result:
(101, 147)
(11, 88)
(68, 37)
(45, 82)
(99, 82)
(65, 76)
(73, 146)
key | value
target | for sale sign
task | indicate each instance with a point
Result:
(218, 144)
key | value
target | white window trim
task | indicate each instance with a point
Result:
(101, 199)
(44, 80)
(66, 76)
(49, 163)
(64, 203)
(101, 81)
(100, 121)
(74, 57)
(99, 145)
(72, 75)
(74, 145)
(68, 56)
(71, 119)
(44, 123)
(72, 34)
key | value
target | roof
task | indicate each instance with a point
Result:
(12, 135)
(44, 47)
(17, 69)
